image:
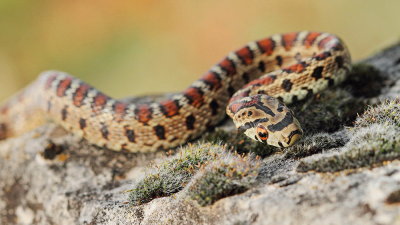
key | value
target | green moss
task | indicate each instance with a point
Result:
(368, 146)
(226, 174)
(173, 174)
(387, 112)
(314, 144)
(374, 139)
(225, 177)
(239, 142)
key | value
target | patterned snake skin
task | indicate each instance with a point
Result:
(292, 67)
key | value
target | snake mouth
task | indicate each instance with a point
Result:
(294, 136)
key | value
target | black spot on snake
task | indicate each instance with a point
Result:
(295, 98)
(246, 77)
(190, 120)
(64, 113)
(280, 144)
(255, 137)
(331, 82)
(339, 61)
(261, 92)
(231, 90)
(160, 132)
(82, 123)
(249, 113)
(317, 73)
(214, 107)
(130, 134)
(287, 85)
(280, 98)
(261, 66)
(288, 119)
(309, 94)
(279, 60)
(104, 131)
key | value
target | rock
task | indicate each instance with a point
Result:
(344, 171)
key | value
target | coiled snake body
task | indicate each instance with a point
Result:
(292, 66)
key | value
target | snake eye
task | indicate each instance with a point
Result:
(262, 133)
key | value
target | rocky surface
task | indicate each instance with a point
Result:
(344, 171)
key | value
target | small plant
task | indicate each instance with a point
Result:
(387, 113)
(173, 174)
(314, 144)
(232, 174)
(368, 146)
(222, 174)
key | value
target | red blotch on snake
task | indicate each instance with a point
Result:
(63, 86)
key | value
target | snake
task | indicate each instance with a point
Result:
(253, 85)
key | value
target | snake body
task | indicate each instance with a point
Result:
(252, 85)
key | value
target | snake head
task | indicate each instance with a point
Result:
(265, 119)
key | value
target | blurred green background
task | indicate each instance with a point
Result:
(131, 47)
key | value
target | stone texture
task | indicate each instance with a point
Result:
(51, 177)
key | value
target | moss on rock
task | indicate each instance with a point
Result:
(227, 176)
(387, 113)
(173, 174)
(315, 144)
(224, 173)
(368, 146)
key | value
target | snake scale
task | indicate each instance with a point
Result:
(251, 85)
